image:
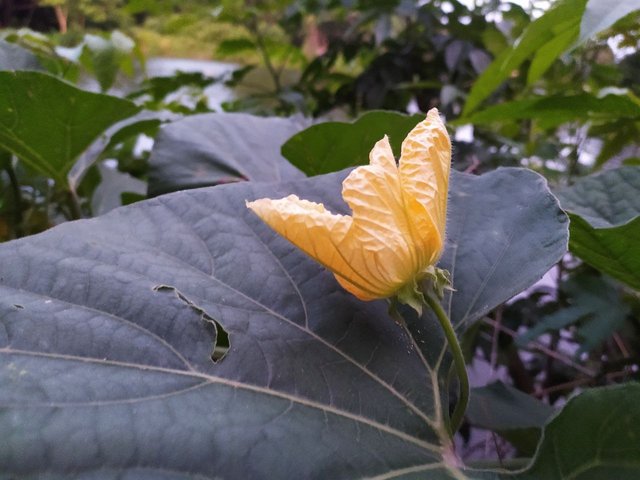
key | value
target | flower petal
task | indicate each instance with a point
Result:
(379, 244)
(424, 172)
(317, 232)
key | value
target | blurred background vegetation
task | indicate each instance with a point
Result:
(552, 86)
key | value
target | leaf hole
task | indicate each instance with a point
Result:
(221, 339)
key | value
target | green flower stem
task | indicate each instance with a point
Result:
(458, 362)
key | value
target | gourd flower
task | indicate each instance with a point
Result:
(395, 235)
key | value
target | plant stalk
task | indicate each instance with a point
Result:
(458, 362)
(18, 220)
(74, 205)
(254, 28)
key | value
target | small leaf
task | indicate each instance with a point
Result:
(501, 407)
(332, 146)
(605, 222)
(516, 416)
(234, 46)
(106, 57)
(211, 149)
(160, 87)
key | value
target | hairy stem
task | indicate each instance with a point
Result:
(458, 362)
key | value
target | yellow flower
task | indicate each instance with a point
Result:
(396, 232)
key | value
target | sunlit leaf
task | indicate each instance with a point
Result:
(548, 53)
(560, 20)
(235, 46)
(47, 122)
(331, 146)
(553, 110)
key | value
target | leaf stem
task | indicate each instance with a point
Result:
(458, 362)
(73, 203)
(254, 28)
(18, 219)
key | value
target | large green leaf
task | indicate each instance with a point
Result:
(554, 110)
(559, 25)
(47, 122)
(605, 222)
(601, 14)
(107, 327)
(332, 146)
(594, 437)
(210, 149)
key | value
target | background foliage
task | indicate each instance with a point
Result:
(85, 127)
